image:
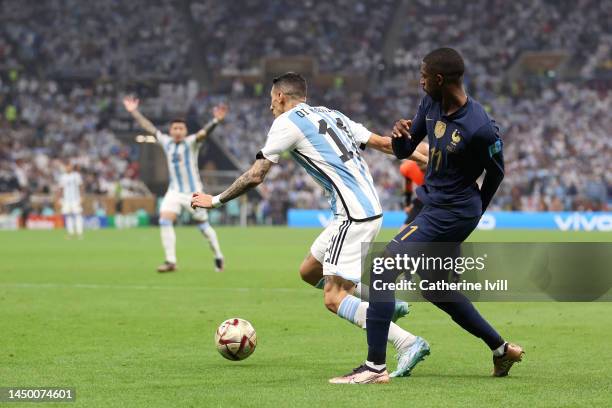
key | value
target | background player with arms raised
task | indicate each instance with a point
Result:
(182, 156)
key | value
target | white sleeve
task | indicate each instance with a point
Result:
(359, 132)
(283, 136)
(192, 141)
(79, 180)
(162, 138)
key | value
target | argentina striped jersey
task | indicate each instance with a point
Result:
(182, 159)
(326, 144)
(71, 187)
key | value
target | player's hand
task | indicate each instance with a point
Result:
(131, 103)
(220, 111)
(401, 128)
(201, 200)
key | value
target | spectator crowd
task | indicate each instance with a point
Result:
(64, 65)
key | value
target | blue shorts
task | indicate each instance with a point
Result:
(435, 224)
(432, 225)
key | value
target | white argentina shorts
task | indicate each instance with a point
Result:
(71, 207)
(338, 247)
(173, 201)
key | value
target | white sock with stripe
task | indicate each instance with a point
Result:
(354, 310)
(211, 236)
(69, 218)
(79, 224)
(168, 238)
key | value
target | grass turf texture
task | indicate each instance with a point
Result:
(94, 315)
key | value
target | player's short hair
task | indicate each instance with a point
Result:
(446, 62)
(291, 84)
(178, 120)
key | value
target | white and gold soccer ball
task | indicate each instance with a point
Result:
(236, 339)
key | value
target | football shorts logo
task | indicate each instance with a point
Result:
(440, 129)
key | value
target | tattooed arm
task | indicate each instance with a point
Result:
(248, 180)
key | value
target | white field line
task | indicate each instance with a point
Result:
(142, 287)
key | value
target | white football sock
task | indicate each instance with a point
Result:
(168, 238)
(400, 338)
(211, 236)
(377, 367)
(498, 352)
(353, 310)
(70, 224)
(79, 224)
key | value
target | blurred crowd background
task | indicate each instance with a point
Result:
(543, 70)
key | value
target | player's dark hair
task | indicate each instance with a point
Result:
(292, 84)
(178, 120)
(446, 62)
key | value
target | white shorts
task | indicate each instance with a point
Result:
(173, 201)
(71, 207)
(339, 248)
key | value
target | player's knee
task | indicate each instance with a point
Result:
(165, 222)
(167, 217)
(311, 272)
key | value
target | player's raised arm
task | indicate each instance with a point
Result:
(248, 180)
(219, 113)
(131, 105)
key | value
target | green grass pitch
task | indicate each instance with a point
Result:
(94, 315)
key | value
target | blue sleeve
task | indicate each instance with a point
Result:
(403, 147)
(490, 153)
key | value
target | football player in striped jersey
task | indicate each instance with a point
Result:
(327, 144)
(181, 152)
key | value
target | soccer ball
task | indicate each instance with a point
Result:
(236, 339)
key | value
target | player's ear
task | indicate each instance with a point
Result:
(439, 79)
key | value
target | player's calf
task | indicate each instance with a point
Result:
(334, 292)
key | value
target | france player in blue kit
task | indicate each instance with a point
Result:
(463, 143)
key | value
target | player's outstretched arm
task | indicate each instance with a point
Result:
(131, 105)
(380, 143)
(403, 142)
(219, 113)
(248, 180)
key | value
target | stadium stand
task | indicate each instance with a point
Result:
(61, 84)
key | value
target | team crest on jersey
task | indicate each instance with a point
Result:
(440, 129)
(455, 139)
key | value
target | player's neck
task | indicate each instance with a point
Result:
(453, 99)
(292, 103)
